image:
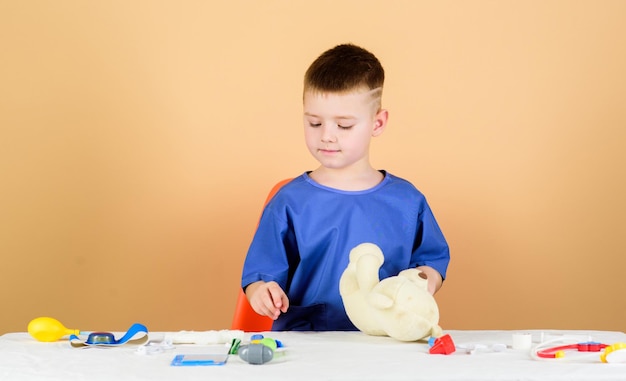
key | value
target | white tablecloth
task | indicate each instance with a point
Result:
(311, 356)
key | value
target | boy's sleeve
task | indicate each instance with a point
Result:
(267, 259)
(430, 247)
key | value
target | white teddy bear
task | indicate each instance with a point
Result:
(399, 306)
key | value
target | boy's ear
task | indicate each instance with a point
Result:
(380, 122)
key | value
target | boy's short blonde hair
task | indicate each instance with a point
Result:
(343, 69)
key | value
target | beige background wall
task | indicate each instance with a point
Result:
(138, 140)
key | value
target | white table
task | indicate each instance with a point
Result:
(311, 356)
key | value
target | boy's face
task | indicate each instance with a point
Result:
(338, 127)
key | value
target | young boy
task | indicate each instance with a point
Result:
(301, 246)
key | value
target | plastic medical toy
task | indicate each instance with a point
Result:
(256, 354)
(442, 345)
(614, 353)
(47, 329)
(259, 351)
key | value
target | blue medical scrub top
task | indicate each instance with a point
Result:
(307, 230)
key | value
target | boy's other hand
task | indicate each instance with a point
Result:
(434, 278)
(267, 299)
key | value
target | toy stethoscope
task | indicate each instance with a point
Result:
(614, 353)
(48, 329)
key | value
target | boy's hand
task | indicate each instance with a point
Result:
(267, 299)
